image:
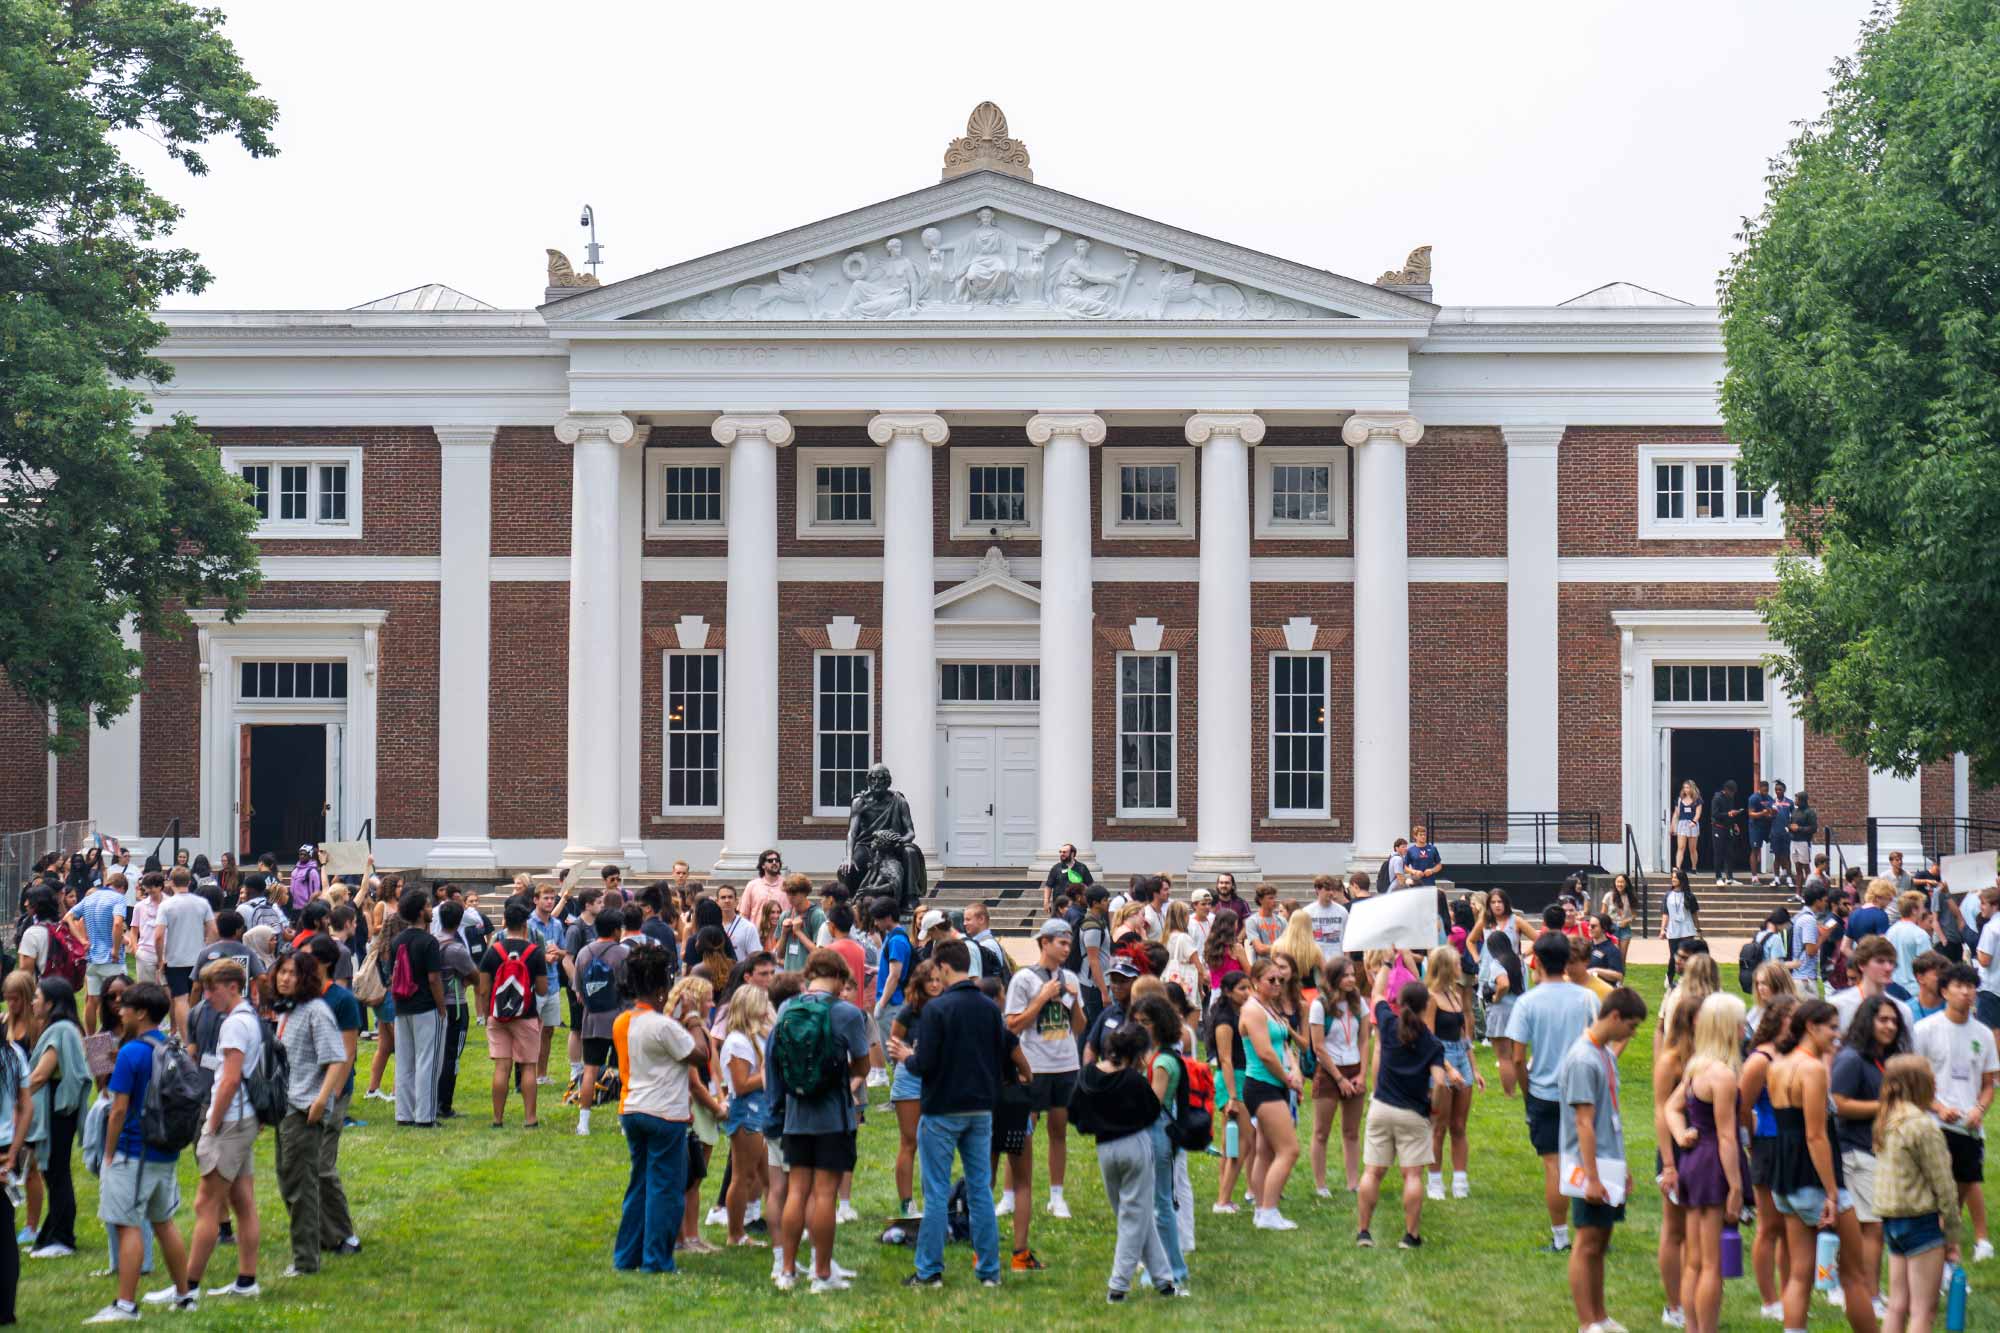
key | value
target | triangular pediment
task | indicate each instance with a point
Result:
(992, 596)
(987, 247)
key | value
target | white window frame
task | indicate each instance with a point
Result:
(962, 463)
(721, 730)
(1689, 528)
(1109, 492)
(1325, 809)
(869, 694)
(1333, 457)
(1172, 808)
(310, 528)
(657, 463)
(809, 462)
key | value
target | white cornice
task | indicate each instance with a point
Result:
(287, 619)
(1668, 569)
(1687, 620)
(349, 568)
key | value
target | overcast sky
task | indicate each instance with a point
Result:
(1542, 148)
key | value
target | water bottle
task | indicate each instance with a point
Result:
(1732, 1252)
(1229, 1138)
(1954, 1304)
(1826, 1263)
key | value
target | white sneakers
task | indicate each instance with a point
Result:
(1982, 1250)
(250, 1292)
(717, 1217)
(822, 1285)
(51, 1252)
(1058, 1206)
(878, 1078)
(1434, 1187)
(1775, 1310)
(845, 1212)
(1270, 1219)
(1004, 1206)
(1673, 1318)
(1223, 1209)
(115, 1313)
(1461, 1186)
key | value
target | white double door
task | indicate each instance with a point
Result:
(991, 776)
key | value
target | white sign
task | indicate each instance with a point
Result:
(1969, 873)
(345, 858)
(1402, 920)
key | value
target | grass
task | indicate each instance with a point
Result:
(466, 1228)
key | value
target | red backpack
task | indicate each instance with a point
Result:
(402, 977)
(67, 955)
(513, 994)
(1192, 1127)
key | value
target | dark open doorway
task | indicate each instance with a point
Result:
(286, 788)
(1712, 756)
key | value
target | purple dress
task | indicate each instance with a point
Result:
(1703, 1182)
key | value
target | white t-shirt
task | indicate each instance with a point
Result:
(184, 922)
(1846, 1002)
(1961, 1055)
(1198, 932)
(1329, 924)
(657, 1082)
(1343, 1035)
(1680, 922)
(743, 937)
(1989, 944)
(1155, 923)
(1049, 1042)
(35, 944)
(737, 1046)
(240, 1032)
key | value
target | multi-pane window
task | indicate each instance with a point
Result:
(1300, 492)
(292, 493)
(291, 680)
(1697, 490)
(1149, 493)
(1298, 734)
(300, 494)
(1670, 491)
(332, 492)
(843, 727)
(989, 682)
(259, 477)
(1749, 503)
(1708, 684)
(693, 730)
(1146, 733)
(996, 493)
(691, 493)
(844, 494)
(1709, 483)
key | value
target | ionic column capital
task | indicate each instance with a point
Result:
(1085, 426)
(613, 427)
(1205, 426)
(926, 426)
(727, 429)
(1363, 427)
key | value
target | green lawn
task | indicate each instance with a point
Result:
(469, 1228)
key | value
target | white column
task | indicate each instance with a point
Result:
(114, 763)
(1067, 674)
(1961, 797)
(750, 620)
(631, 615)
(1381, 445)
(909, 626)
(1900, 799)
(465, 615)
(594, 675)
(1223, 745)
(1532, 686)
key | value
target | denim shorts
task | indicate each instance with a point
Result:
(1804, 1203)
(746, 1112)
(905, 1086)
(1910, 1236)
(1458, 1054)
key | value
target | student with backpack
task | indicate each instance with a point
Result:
(597, 965)
(1168, 1076)
(225, 1150)
(156, 1097)
(1772, 944)
(816, 1052)
(517, 985)
(416, 985)
(258, 909)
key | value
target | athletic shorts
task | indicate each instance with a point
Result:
(519, 1041)
(1052, 1092)
(1256, 1092)
(1759, 837)
(596, 1051)
(1968, 1157)
(1395, 1136)
(1763, 1162)
(180, 980)
(1544, 1124)
(229, 1153)
(548, 1009)
(1603, 1216)
(1910, 1236)
(96, 974)
(132, 1193)
(575, 1013)
(820, 1152)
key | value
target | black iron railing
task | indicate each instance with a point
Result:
(173, 834)
(1635, 882)
(1546, 829)
(1938, 838)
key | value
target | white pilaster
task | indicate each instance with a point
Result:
(1961, 798)
(909, 624)
(465, 615)
(1066, 811)
(114, 763)
(1223, 743)
(1532, 686)
(750, 666)
(1381, 445)
(594, 660)
(631, 614)
(1902, 800)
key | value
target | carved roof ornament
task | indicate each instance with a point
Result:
(1415, 272)
(986, 147)
(562, 275)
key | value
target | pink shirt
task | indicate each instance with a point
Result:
(143, 918)
(750, 902)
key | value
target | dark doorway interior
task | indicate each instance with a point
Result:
(1712, 756)
(287, 789)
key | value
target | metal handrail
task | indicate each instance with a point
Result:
(1486, 827)
(1635, 881)
(1939, 837)
(174, 832)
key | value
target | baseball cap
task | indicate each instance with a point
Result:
(932, 920)
(1203, 896)
(1122, 967)
(1053, 928)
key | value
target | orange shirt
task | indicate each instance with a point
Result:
(619, 1028)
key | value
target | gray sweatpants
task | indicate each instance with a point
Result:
(1127, 1167)
(419, 1046)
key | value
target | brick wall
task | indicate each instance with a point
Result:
(811, 607)
(1597, 471)
(73, 777)
(1116, 607)
(663, 604)
(399, 484)
(1458, 492)
(531, 490)
(1331, 608)
(1458, 697)
(1983, 802)
(1937, 791)
(170, 734)
(1838, 785)
(527, 739)
(24, 757)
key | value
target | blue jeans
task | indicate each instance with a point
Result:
(654, 1195)
(1163, 1199)
(970, 1135)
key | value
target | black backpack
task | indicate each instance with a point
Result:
(266, 1085)
(1751, 957)
(176, 1097)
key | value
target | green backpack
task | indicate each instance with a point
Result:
(804, 1050)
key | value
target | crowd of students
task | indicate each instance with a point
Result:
(735, 1033)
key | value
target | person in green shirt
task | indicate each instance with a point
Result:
(1155, 1013)
(799, 928)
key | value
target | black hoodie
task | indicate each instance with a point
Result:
(1113, 1106)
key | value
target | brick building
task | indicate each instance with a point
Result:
(1093, 529)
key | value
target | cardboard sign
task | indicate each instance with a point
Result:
(1968, 873)
(1405, 919)
(346, 858)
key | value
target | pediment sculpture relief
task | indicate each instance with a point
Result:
(990, 266)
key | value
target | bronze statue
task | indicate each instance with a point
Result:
(883, 859)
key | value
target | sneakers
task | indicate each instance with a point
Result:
(784, 1281)
(115, 1313)
(989, 1282)
(1024, 1261)
(1610, 1325)
(1410, 1242)
(1671, 1318)
(920, 1281)
(162, 1296)
(352, 1245)
(845, 1212)
(1775, 1310)
(25, 1236)
(1004, 1206)
(1553, 1248)
(822, 1285)
(1270, 1219)
(1461, 1187)
(1363, 1240)
(1058, 1207)
(51, 1252)
(878, 1078)
(1114, 1297)
(379, 1095)
(1982, 1250)
(1434, 1188)
(717, 1217)
(1223, 1209)
(292, 1270)
(250, 1292)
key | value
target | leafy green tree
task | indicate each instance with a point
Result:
(103, 514)
(1861, 321)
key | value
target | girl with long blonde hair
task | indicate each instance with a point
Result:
(1674, 1047)
(1701, 1127)
(688, 1004)
(748, 1023)
(1684, 822)
(1913, 1170)
(1445, 979)
(1296, 943)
